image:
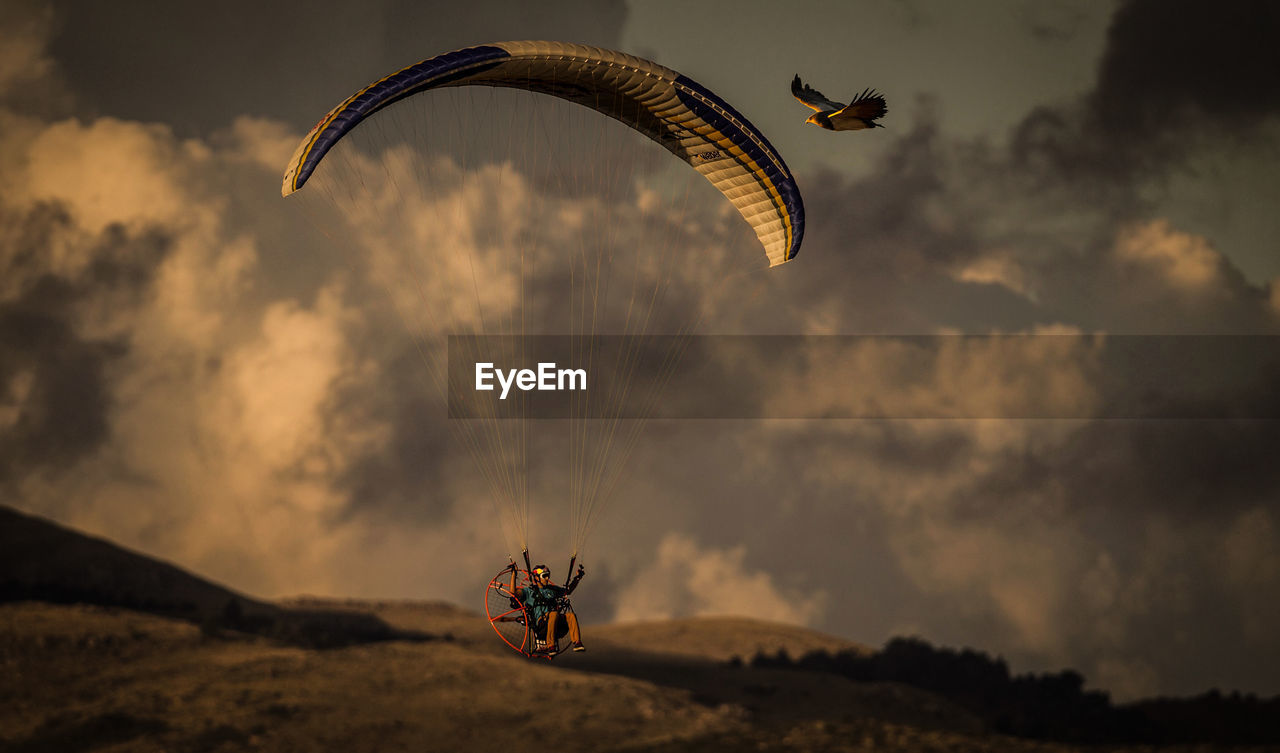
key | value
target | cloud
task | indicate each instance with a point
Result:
(1150, 90)
(208, 420)
(1187, 262)
(148, 393)
(286, 62)
(998, 268)
(111, 172)
(54, 397)
(24, 60)
(247, 404)
(30, 80)
(683, 580)
(1050, 371)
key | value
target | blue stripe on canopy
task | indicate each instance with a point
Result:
(430, 73)
(762, 153)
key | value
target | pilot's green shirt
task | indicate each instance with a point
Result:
(540, 600)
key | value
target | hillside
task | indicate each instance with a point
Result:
(132, 667)
(42, 561)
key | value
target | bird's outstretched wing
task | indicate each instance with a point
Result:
(812, 97)
(868, 105)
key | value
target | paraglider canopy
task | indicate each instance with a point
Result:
(675, 111)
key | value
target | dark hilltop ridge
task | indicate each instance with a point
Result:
(106, 649)
(1050, 706)
(42, 561)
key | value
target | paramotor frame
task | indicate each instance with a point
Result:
(510, 619)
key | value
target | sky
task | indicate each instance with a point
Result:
(191, 369)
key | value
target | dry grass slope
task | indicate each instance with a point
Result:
(79, 678)
(133, 667)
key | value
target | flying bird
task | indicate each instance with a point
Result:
(863, 112)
